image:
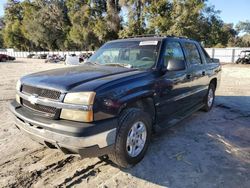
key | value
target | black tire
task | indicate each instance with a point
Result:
(4, 59)
(207, 107)
(127, 119)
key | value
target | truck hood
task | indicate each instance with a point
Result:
(65, 79)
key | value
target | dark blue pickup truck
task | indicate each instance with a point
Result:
(111, 105)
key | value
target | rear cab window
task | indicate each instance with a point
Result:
(206, 58)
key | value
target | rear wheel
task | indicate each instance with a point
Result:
(209, 99)
(133, 138)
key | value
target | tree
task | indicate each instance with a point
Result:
(185, 16)
(243, 27)
(108, 26)
(136, 17)
(229, 35)
(93, 22)
(1, 33)
(87, 24)
(159, 17)
(1, 40)
(82, 24)
(12, 34)
(44, 23)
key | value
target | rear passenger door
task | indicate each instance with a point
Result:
(196, 72)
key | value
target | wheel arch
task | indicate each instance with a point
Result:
(146, 104)
(214, 81)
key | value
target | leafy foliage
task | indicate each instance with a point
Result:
(12, 33)
(243, 26)
(86, 24)
(44, 24)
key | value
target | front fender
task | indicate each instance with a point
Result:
(107, 107)
(132, 98)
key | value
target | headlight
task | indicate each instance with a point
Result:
(18, 85)
(18, 99)
(82, 98)
(18, 88)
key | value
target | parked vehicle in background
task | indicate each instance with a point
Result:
(111, 104)
(84, 56)
(42, 56)
(4, 57)
(54, 58)
(37, 56)
(74, 59)
(244, 57)
(30, 55)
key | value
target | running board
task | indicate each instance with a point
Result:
(177, 118)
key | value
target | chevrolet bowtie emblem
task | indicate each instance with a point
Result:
(33, 99)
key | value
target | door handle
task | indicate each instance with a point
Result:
(203, 73)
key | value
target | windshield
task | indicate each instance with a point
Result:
(244, 54)
(130, 54)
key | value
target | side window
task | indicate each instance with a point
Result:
(206, 56)
(173, 51)
(205, 53)
(193, 56)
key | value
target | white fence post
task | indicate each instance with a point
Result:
(233, 55)
(213, 51)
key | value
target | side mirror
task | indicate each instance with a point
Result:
(214, 60)
(175, 65)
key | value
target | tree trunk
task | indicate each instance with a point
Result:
(139, 14)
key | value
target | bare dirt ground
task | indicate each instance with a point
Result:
(205, 150)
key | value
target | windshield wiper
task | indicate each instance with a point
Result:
(119, 65)
(92, 63)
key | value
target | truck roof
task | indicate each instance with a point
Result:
(146, 37)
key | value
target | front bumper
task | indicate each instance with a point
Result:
(86, 139)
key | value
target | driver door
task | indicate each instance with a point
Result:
(174, 85)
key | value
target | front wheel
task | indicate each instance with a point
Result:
(133, 138)
(209, 98)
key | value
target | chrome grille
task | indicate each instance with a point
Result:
(41, 108)
(41, 92)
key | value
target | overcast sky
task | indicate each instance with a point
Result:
(231, 11)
